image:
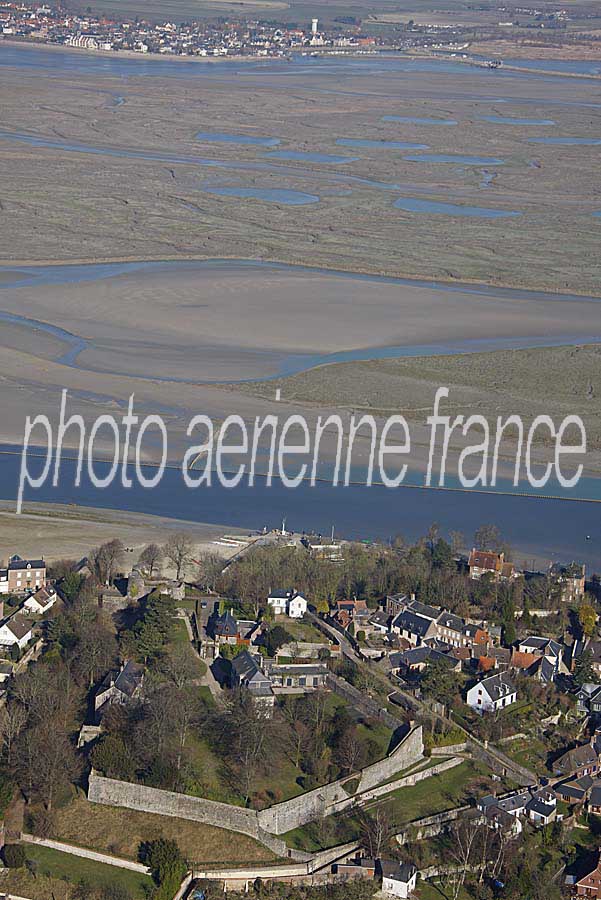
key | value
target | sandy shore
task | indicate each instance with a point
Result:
(58, 532)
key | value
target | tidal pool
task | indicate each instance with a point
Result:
(412, 204)
(221, 137)
(565, 141)
(514, 120)
(269, 195)
(455, 158)
(385, 145)
(419, 120)
(302, 156)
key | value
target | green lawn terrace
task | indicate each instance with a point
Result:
(455, 787)
(51, 873)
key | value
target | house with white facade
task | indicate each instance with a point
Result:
(16, 630)
(40, 602)
(287, 603)
(491, 694)
(398, 879)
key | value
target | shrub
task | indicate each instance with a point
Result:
(14, 856)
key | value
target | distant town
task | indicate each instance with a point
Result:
(224, 38)
(230, 37)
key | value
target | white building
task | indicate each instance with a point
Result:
(16, 630)
(287, 603)
(398, 879)
(40, 602)
(491, 694)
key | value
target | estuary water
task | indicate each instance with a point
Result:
(543, 529)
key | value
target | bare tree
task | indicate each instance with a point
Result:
(178, 550)
(297, 738)
(151, 559)
(351, 751)
(104, 561)
(210, 567)
(179, 666)
(12, 721)
(47, 762)
(96, 650)
(467, 835)
(457, 540)
(377, 831)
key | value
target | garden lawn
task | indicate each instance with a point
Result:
(528, 752)
(74, 869)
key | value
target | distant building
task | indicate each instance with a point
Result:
(588, 699)
(298, 677)
(246, 673)
(589, 885)
(287, 603)
(418, 658)
(582, 760)
(15, 631)
(120, 686)
(485, 562)
(398, 879)
(42, 601)
(22, 576)
(594, 802)
(395, 603)
(419, 623)
(355, 612)
(540, 658)
(491, 694)
(225, 628)
(570, 580)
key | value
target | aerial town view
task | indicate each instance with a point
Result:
(300, 463)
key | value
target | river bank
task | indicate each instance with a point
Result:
(69, 531)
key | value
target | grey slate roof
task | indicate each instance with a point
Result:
(409, 621)
(542, 645)
(16, 563)
(448, 620)
(19, 626)
(424, 609)
(381, 618)
(540, 807)
(245, 665)
(399, 871)
(226, 625)
(126, 680)
(515, 801)
(498, 686)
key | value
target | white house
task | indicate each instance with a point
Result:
(491, 694)
(297, 607)
(398, 879)
(16, 630)
(40, 602)
(289, 603)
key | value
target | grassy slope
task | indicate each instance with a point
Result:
(55, 867)
(120, 831)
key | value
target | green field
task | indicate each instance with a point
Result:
(452, 788)
(62, 867)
